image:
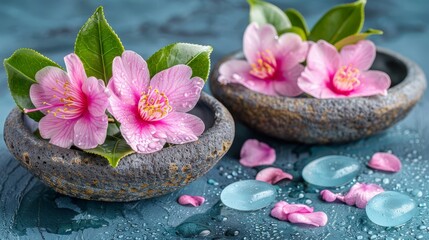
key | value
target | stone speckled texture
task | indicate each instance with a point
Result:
(138, 176)
(310, 120)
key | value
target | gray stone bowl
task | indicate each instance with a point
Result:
(78, 174)
(320, 121)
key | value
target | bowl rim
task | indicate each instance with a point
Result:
(222, 118)
(413, 74)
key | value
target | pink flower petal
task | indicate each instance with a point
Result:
(237, 71)
(298, 213)
(195, 201)
(48, 79)
(385, 162)
(317, 219)
(329, 196)
(361, 193)
(292, 50)
(75, 69)
(255, 153)
(139, 136)
(297, 208)
(259, 38)
(323, 58)
(272, 175)
(60, 131)
(90, 131)
(372, 83)
(278, 212)
(182, 91)
(97, 96)
(179, 128)
(316, 84)
(289, 85)
(130, 77)
(360, 55)
(122, 111)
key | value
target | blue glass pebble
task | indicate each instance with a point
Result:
(331, 171)
(390, 209)
(248, 195)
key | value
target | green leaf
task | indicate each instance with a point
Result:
(339, 22)
(297, 20)
(263, 12)
(113, 149)
(195, 56)
(21, 68)
(356, 38)
(97, 45)
(296, 30)
(112, 129)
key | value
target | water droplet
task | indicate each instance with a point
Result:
(248, 195)
(141, 148)
(212, 182)
(189, 229)
(153, 145)
(186, 94)
(390, 209)
(231, 233)
(331, 171)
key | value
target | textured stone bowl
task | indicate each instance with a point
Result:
(319, 121)
(138, 176)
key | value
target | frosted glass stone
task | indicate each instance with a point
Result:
(248, 195)
(390, 209)
(331, 171)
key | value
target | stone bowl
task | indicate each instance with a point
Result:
(138, 176)
(321, 121)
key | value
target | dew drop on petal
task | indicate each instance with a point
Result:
(248, 195)
(153, 145)
(331, 171)
(390, 209)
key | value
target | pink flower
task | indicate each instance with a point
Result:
(273, 63)
(255, 153)
(272, 175)
(385, 162)
(330, 74)
(74, 105)
(195, 201)
(358, 195)
(298, 213)
(153, 112)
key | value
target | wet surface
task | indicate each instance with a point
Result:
(29, 210)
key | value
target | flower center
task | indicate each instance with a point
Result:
(66, 107)
(346, 79)
(265, 66)
(153, 105)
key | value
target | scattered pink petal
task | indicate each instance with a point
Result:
(359, 194)
(195, 201)
(328, 196)
(317, 219)
(297, 208)
(333, 74)
(272, 175)
(385, 162)
(278, 212)
(298, 213)
(255, 153)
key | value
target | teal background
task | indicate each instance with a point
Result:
(30, 210)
